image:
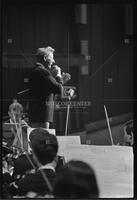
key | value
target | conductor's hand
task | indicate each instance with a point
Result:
(56, 71)
(70, 92)
(66, 77)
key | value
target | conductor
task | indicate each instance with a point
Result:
(45, 81)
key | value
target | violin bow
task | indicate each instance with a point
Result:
(110, 133)
(26, 153)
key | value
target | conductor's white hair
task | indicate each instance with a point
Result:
(45, 50)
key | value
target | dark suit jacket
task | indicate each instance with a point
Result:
(22, 164)
(42, 87)
(34, 183)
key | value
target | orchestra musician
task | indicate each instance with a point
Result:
(19, 125)
(16, 144)
(44, 152)
(46, 80)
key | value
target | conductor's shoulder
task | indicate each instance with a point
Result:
(42, 69)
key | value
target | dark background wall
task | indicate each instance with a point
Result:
(112, 59)
(28, 25)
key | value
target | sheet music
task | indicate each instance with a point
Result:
(63, 141)
(113, 166)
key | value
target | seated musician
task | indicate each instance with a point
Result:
(15, 113)
(44, 149)
(129, 134)
(76, 180)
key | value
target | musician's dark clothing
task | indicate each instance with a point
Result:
(42, 87)
(22, 164)
(34, 183)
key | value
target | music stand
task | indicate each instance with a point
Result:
(7, 130)
(69, 97)
(7, 133)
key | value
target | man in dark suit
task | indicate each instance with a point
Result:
(44, 151)
(45, 81)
